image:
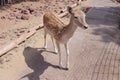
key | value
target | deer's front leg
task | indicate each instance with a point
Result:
(60, 61)
(67, 56)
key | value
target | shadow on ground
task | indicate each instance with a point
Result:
(104, 16)
(105, 22)
(35, 61)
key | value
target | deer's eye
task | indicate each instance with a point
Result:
(76, 17)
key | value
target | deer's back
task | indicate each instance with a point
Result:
(51, 21)
(54, 25)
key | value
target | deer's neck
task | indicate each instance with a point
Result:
(71, 26)
(69, 31)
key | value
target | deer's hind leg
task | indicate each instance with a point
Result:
(54, 46)
(45, 41)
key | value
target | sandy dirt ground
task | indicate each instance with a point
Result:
(94, 53)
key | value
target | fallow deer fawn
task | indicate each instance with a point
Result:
(62, 32)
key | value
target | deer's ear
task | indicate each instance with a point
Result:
(78, 2)
(69, 9)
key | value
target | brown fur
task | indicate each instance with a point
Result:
(55, 25)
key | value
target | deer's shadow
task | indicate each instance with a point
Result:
(36, 62)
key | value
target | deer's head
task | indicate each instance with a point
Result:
(79, 17)
(85, 5)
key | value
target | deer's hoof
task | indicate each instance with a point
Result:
(55, 51)
(66, 68)
(60, 67)
(44, 48)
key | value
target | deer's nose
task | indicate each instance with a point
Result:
(85, 27)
